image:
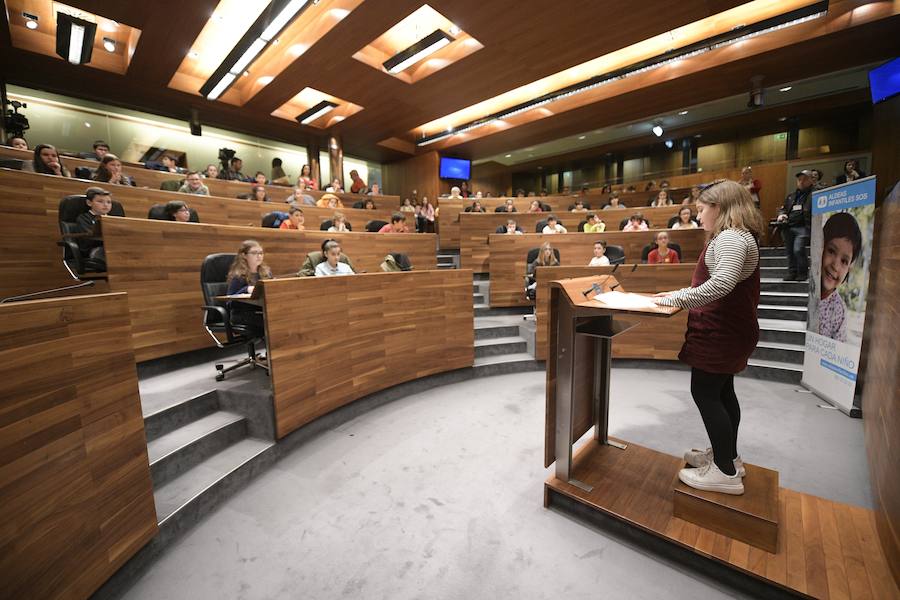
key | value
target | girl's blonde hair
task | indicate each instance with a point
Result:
(540, 259)
(736, 207)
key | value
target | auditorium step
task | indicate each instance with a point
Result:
(204, 479)
(777, 311)
(508, 363)
(500, 345)
(485, 310)
(780, 352)
(775, 284)
(782, 331)
(773, 370)
(784, 298)
(447, 261)
(178, 451)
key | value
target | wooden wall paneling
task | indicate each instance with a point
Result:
(881, 393)
(76, 491)
(419, 173)
(158, 264)
(394, 327)
(474, 252)
(658, 339)
(152, 179)
(491, 178)
(508, 253)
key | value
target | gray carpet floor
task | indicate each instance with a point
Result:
(439, 495)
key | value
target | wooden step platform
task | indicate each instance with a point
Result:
(824, 549)
(751, 518)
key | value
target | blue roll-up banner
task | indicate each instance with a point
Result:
(840, 253)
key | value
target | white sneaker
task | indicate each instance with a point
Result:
(698, 458)
(711, 479)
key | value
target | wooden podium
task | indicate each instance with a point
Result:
(611, 475)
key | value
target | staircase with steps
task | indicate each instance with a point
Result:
(503, 341)
(782, 321)
(448, 259)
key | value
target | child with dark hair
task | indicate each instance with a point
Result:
(178, 210)
(840, 249)
(99, 202)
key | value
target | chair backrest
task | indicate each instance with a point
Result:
(533, 254)
(500, 209)
(374, 225)
(359, 204)
(672, 221)
(539, 226)
(623, 223)
(500, 229)
(326, 225)
(12, 163)
(615, 254)
(214, 276)
(645, 251)
(545, 207)
(83, 173)
(170, 185)
(195, 218)
(243, 196)
(274, 219)
(71, 207)
(157, 212)
(581, 226)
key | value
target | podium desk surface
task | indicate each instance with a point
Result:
(581, 292)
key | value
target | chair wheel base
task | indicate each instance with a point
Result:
(220, 377)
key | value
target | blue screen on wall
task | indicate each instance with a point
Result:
(884, 81)
(455, 168)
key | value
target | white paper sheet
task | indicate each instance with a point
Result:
(624, 300)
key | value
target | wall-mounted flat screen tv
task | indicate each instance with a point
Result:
(455, 168)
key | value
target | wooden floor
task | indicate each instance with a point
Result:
(825, 549)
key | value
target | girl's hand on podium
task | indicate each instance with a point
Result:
(663, 294)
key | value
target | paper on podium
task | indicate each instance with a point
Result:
(624, 300)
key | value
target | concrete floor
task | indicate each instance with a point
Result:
(439, 495)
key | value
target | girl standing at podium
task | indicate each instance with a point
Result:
(722, 329)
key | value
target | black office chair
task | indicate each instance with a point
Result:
(645, 252)
(274, 219)
(529, 278)
(581, 226)
(615, 254)
(539, 226)
(327, 224)
(83, 173)
(12, 163)
(157, 212)
(375, 225)
(359, 204)
(244, 196)
(546, 207)
(74, 260)
(217, 315)
(674, 220)
(502, 229)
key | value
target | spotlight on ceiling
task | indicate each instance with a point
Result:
(428, 45)
(263, 32)
(31, 21)
(670, 144)
(657, 129)
(74, 38)
(313, 113)
(786, 88)
(109, 44)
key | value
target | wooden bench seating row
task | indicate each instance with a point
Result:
(217, 187)
(656, 339)
(158, 264)
(508, 254)
(475, 228)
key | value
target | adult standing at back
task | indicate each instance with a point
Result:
(795, 219)
(750, 184)
(722, 329)
(852, 172)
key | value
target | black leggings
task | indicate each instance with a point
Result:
(715, 398)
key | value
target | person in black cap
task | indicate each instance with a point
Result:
(795, 218)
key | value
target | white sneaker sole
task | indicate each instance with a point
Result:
(735, 489)
(700, 463)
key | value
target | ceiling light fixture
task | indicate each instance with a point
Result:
(789, 19)
(682, 113)
(657, 129)
(109, 44)
(427, 46)
(263, 32)
(313, 113)
(581, 137)
(670, 144)
(74, 38)
(31, 21)
(786, 88)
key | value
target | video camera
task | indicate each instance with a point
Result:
(14, 122)
(225, 156)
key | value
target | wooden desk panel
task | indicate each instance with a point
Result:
(152, 179)
(158, 263)
(474, 228)
(373, 332)
(508, 253)
(76, 491)
(658, 339)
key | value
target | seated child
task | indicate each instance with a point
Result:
(295, 219)
(397, 224)
(338, 223)
(599, 259)
(840, 248)
(512, 227)
(636, 223)
(332, 264)
(313, 259)
(247, 269)
(662, 253)
(553, 226)
(594, 224)
(99, 203)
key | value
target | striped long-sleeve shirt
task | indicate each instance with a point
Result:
(731, 257)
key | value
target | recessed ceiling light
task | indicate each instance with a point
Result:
(109, 26)
(193, 54)
(31, 24)
(297, 49)
(265, 80)
(245, 73)
(509, 156)
(427, 46)
(782, 119)
(698, 136)
(31, 21)
(109, 44)
(684, 112)
(454, 30)
(313, 113)
(786, 88)
(657, 129)
(86, 124)
(669, 144)
(581, 137)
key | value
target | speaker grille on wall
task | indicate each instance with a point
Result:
(195, 122)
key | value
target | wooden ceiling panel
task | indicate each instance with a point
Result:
(523, 41)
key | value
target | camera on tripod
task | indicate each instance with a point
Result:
(225, 156)
(14, 122)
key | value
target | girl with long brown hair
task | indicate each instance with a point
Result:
(722, 329)
(248, 268)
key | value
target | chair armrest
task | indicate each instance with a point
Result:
(226, 318)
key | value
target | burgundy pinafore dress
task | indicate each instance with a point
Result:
(722, 335)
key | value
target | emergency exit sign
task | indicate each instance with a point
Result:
(779, 137)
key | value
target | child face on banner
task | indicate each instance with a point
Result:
(836, 259)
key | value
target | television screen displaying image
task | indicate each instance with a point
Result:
(884, 81)
(455, 168)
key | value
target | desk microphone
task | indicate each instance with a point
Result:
(88, 283)
(633, 269)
